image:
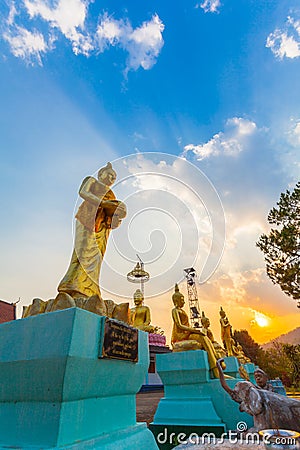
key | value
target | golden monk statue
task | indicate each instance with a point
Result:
(140, 316)
(226, 332)
(232, 348)
(205, 322)
(238, 352)
(186, 338)
(97, 215)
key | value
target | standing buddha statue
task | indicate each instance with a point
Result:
(226, 332)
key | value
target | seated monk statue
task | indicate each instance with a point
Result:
(238, 352)
(205, 322)
(140, 315)
(186, 338)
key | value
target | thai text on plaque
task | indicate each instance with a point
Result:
(120, 341)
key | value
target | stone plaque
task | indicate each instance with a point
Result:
(120, 341)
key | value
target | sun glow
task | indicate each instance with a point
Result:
(260, 319)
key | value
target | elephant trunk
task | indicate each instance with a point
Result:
(222, 377)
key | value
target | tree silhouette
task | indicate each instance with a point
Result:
(281, 247)
(251, 348)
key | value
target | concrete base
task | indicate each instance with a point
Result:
(193, 401)
(56, 393)
(134, 437)
(250, 367)
(232, 367)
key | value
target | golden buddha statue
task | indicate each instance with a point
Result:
(186, 338)
(98, 214)
(140, 316)
(205, 322)
(226, 332)
(238, 352)
(232, 348)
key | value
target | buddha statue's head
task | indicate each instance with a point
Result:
(177, 297)
(138, 297)
(107, 175)
(205, 320)
(222, 312)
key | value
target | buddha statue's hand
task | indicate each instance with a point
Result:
(115, 222)
(114, 207)
(201, 332)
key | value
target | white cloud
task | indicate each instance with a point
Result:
(12, 14)
(285, 42)
(288, 153)
(283, 45)
(143, 44)
(109, 32)
(231, 288)
(297, 132)
(210, 5)
(244, 231)
(294, 133)
(69, 17)
(229, 143)
(173, 212)
(27, 45)
(243, 126)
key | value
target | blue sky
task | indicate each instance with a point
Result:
(216, 82)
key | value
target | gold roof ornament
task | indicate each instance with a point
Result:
(138, 274)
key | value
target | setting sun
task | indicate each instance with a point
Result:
(261, 319)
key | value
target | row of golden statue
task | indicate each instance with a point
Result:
(184, 337)
(98, 214)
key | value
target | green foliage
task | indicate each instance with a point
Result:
(293, 354)
(276, 364)
(281, 246)
(280, 361)
(283, 361)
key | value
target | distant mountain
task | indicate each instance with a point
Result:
(293, 337)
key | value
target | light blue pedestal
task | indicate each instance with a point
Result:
(56, 393)
(250, 367)
(232, 367)
(193, 403)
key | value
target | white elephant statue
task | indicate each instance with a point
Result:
(269, 410)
